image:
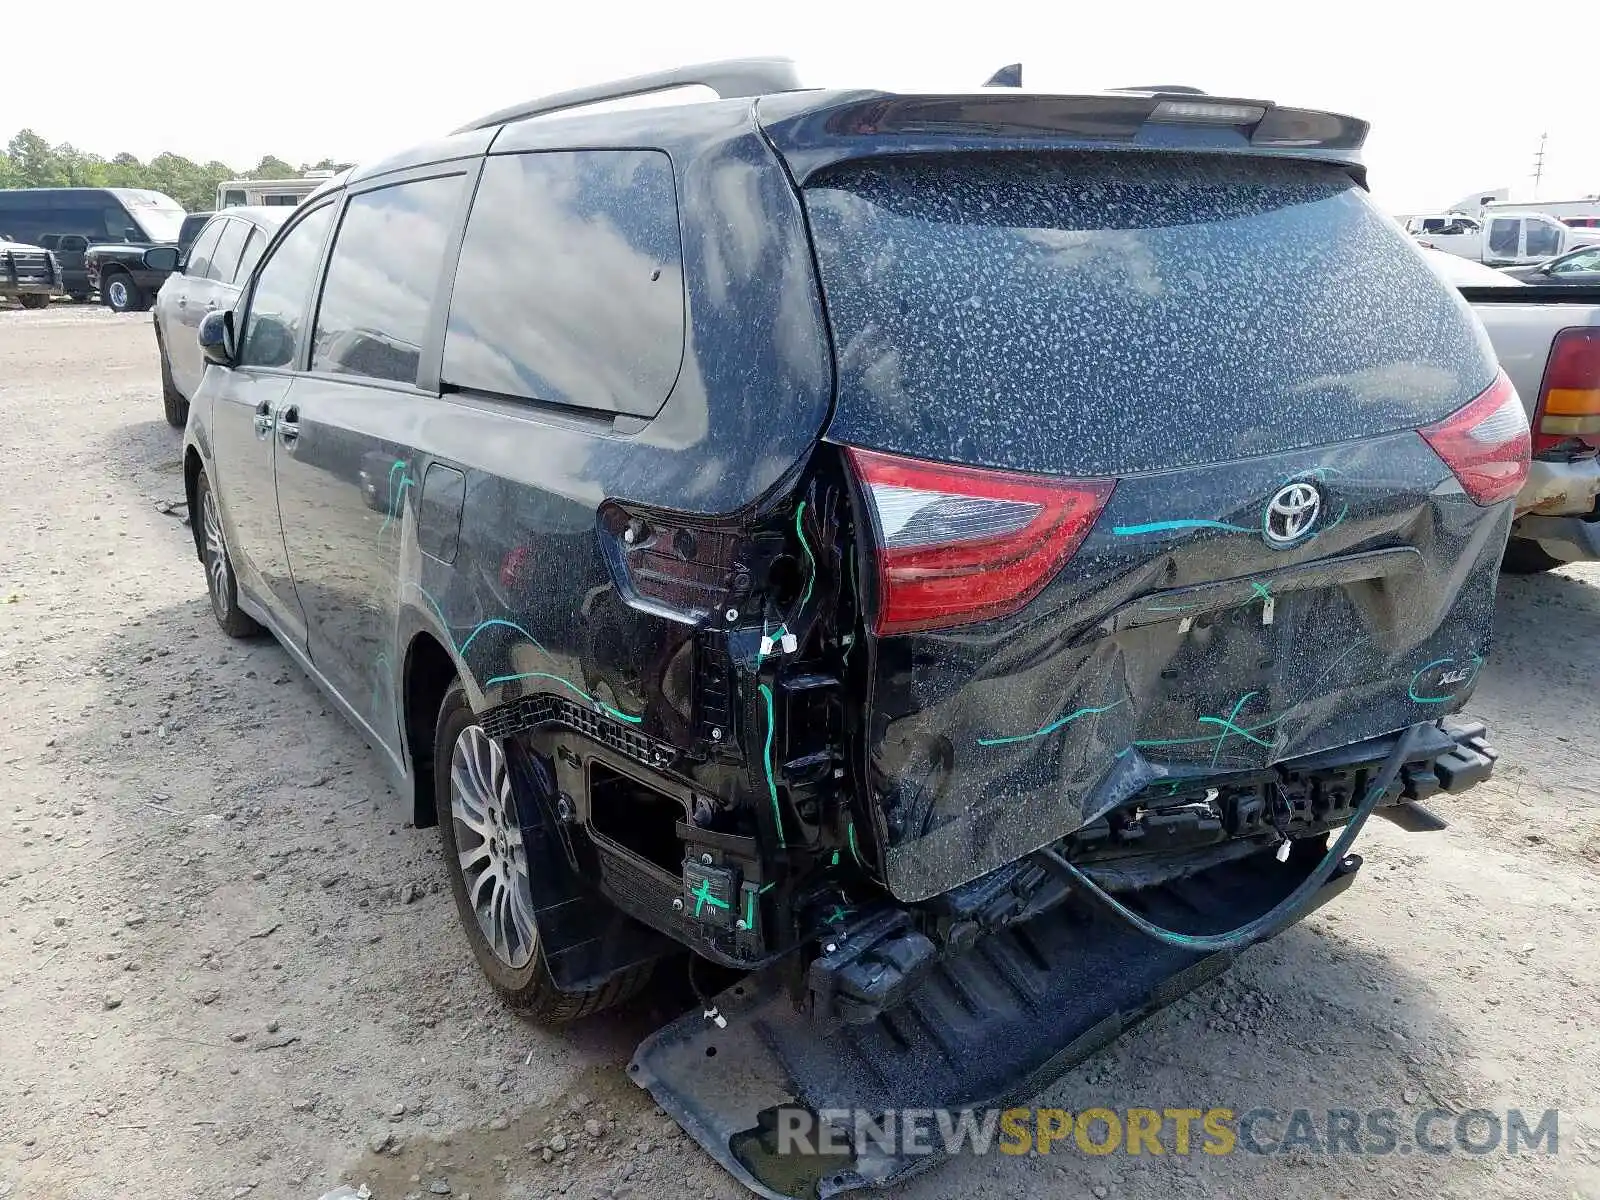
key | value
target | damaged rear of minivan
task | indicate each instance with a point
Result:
(1149, 548)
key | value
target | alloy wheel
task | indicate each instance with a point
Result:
(488, 838)
(218, 573)
(119, 293)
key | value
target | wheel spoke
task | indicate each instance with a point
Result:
(497, 910)
(467, 805)
(489, 852)
(471, 859)
(521, 905)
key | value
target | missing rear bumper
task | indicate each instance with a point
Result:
(982, 1030)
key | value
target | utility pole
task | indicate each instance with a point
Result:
(1538, 165)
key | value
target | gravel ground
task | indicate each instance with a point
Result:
(231, 969)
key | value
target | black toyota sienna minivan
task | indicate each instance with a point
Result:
(957, 560)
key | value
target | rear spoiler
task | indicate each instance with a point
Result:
(1533, 293)
(815, 130)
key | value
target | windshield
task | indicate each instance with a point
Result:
(1111, 313)
(160, 224)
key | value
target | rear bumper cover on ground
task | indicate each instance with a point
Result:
(992, 1025)
(984, 1030)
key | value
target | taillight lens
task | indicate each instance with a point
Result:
(960, 544)
(1569, 395)
(1486, 443)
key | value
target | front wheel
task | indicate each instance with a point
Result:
(220, 582)
(1525, 557)
(122, 294)
(480, 826)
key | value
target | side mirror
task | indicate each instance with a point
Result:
(272, 340)
(162, 258)
(216, 337)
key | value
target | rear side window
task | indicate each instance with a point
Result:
(225, 261)
(1503, 237)
(1111, 313)
(253, 246)
(198, 264)
(570, 285)
(382, 278)
(1543, 240)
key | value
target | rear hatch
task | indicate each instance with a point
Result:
(1154, 454)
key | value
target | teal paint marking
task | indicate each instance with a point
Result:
(855, 851)
(1048, 729)
(1245, 732)
(1339, 520)
(1313, 473)
(811, 562)
(749, 910)
(494, 621)
(1411, 688)
(397, 495)
(766, 761)
(1228, 726)
(702, 896)
(600, 704)
(461, 651)
(839, 913)
(1172, 526)
(1262, 592)
(444, 623)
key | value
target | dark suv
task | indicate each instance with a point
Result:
(956, 559)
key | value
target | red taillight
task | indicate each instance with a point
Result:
(1569, 395)
(1486, 443)
(960, 544)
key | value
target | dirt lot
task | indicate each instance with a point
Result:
(229, 968)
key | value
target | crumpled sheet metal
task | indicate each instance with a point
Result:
(1177, 643)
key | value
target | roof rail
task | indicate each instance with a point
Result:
(729, 78)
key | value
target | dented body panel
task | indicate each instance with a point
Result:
(1154, 657)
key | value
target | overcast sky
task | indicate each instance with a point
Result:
(1454, 106)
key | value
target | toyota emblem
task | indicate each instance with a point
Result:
(1291, 514)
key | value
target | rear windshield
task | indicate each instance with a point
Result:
(1102, 314)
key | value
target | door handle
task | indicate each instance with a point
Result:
(264, 418)
(289, 425)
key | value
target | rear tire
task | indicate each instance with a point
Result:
(1525, 557)
(172, 400)
(220, 582)
(33, 300)
(122, 294)
(476, 804)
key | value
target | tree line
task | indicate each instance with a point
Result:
(30, 161)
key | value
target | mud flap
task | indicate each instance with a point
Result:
(990, 1028)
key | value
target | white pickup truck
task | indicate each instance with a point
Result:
(1547, 339)
(1500, 239)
